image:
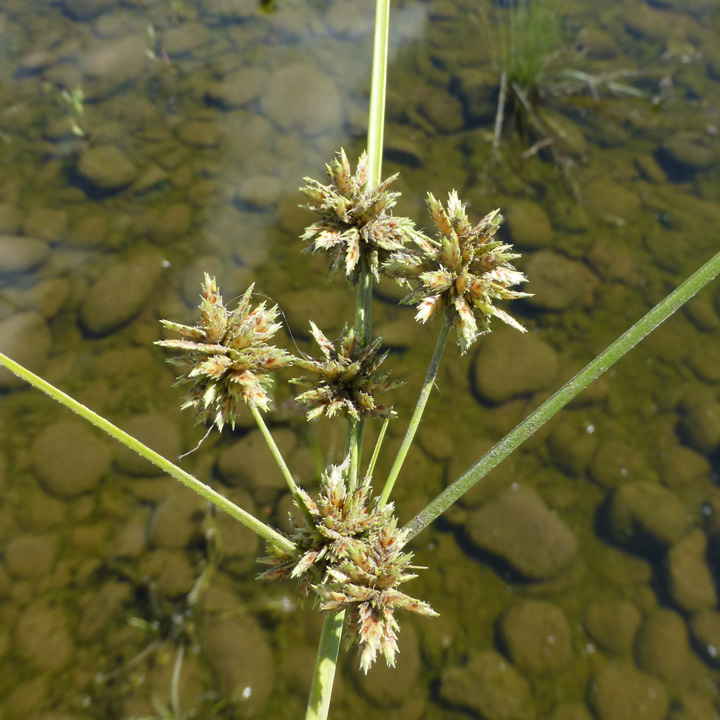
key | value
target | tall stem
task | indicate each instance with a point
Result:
(376, 129)
(325, 664)
(376, 121)
(263, 530)
(417, 413)
(562, 397)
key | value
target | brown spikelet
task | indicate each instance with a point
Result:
(228, 357)
(355, 228)
(350, 552)
(461, 272)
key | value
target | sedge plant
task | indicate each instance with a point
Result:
(346, 548)
(524, 35)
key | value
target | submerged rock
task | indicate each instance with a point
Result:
(571, 445)
(663, 648)
(107, 167)
(705, 631)
(610, 200)
(489, 686)
(558, 283)
(646, 511)
(700, 423)
(100, 606)
(706, 364)
(184, 39)
(621, 692)
(690, 581)
(517, 526)
(681, 467)
(178, 519)
(171, 572)
(241, 660)
(31, 555)
(442, 109)
(249, 464)
(260, 191)
(45, 223)
(300, 98)
(613, 624)
(114, 62)
(510, 365)
(529, 225)
(238, 88)
(616, 463)
(21, 254)
(691, 148)
(200, 133)
(42, 636)
(614, 261)
(171, 223)
(536, 635)
(69, 458)
(120, 293)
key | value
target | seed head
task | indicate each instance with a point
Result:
(354, 223)
(346, 381)
(351, 556)
(228, 356)
(461, 272)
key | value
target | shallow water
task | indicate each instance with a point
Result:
(578, 580)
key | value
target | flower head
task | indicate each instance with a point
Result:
(351, 556)
(346, 381)
(228, 355)
(354, 227)
(461, 272)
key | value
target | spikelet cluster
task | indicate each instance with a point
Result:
(355, 227)
(350, 555)
(228, 358)
(346, 382)
(461, 272)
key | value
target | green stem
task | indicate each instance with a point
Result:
(263, 530)
(376, 120)
(275, 450)
(363, 317)
(325, 665)
(353, 439)
(417, 414)
(378, 445)
(363, 332)
(562, 397)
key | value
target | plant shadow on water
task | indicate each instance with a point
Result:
(211, 134)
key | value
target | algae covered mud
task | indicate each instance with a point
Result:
(146, 142)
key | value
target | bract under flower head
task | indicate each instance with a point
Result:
(461, 272)
(350, 554)
(228, 356)
(355, 228)
(346, 382)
